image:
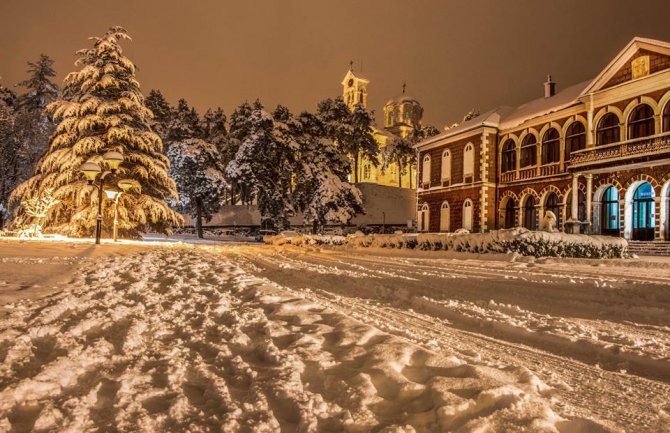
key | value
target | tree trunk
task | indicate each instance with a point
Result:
(198, 218)
(356, 168)
(410, 176)
(315, 227)
(399, 174)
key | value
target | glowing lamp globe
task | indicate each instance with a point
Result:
(112, 192)
(91, 170)
(126, 184)
(113, 158)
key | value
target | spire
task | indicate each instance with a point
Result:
(351, 65)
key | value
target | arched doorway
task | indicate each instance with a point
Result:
(609, 212)
(444, 217)
(643, 213)
(510, 214)
(529, 213)
(581, 207)
(424, 218)
(551, 204)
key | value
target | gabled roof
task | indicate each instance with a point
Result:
(350, 73)
(623, 57)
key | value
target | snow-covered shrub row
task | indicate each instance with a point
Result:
(517, 240)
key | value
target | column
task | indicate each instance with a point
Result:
(573, 222)
(589, 196)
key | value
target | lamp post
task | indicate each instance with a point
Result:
(92, 171)
(114, 193)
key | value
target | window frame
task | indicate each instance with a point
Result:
(555, 151)
(527, 158)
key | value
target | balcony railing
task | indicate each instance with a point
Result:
(550, 169)
(527, 173)
(508, 176)
(656, 144)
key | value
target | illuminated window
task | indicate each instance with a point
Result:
(468, 160)
(446, 165)
(467, 214)
(425, 172)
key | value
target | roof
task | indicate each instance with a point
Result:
(543, 106)
(402, 98)
(491, 118)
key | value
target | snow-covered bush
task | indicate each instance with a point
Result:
(516, 240)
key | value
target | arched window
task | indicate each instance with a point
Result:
(467, 214)
(666, 118)
(424, 218)
(529, 151)
(510, 214)
(444, 217)
(643, 213)
(551, 147)
(608, 129)
(509, 156)
(641, 122)
(551, 204)
(468, 161)
(529, 213)
(446, 165)
(425, 171)
(575, 138)
(609, 212)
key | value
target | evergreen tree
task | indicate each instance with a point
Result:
(239, 129)
(351, 130)
(262, 164)
(102, 109)
(162, 113)
(399, 151)
(322, 192)
(9, 147)
(195, 166)
(40, 90)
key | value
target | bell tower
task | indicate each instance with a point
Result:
(354, 88)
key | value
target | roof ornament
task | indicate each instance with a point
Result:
(404, 85)
(351, 65)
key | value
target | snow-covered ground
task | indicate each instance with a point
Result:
(252, 338)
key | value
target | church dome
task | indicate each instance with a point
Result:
(403, 111)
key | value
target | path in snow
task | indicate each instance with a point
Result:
(567, 322)
(179, 339)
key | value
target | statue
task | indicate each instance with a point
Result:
(548, 222)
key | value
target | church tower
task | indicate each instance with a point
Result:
(354, 88)
(402, 114)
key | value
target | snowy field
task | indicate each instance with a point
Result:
(252, 338)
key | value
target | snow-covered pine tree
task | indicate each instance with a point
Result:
(162, 113)
(263, 164)
(351, 130)
(102, 109)
(9, 147)
(33, 125)
(239, 129)
(322, 192)
(195, 167)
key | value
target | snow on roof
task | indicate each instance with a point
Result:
(543, 106)
(401, 98)
(490, 118)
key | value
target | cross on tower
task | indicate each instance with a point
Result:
(351, 65)
(403, 87)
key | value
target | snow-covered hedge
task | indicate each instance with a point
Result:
(517, 240)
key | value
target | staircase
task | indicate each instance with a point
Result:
(649, 248)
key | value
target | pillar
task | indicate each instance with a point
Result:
(573, 222)
(589, 197)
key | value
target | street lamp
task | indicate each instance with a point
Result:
(114, 193)
(92, 171)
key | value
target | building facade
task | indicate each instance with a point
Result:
(402, 114)
(596, 154)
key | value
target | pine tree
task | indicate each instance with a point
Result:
(322, 192)
(239, 129)
(102, 109)
(352, 130)
(9, 147)
(41, 91)
(263, 164)
(195, 166)
(162, 113)
(398, 151)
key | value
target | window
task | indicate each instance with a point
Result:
(551, 204)
(424, 218)
(666, 118)
(444, 217)
(643, 213)
(509, 156)
(608, 129)
(551, 147)
(575, 139)
(529, 216)
(609, 212)
(425, 171)
(446, 165)
(510, 214)
(529, 151)
(467, 214)
(641, 122)
(468, 161)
